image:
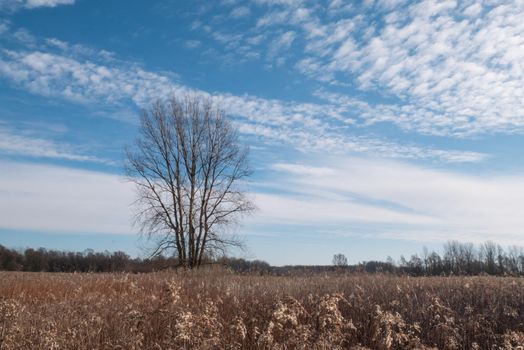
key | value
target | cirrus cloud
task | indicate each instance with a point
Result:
(306, 126)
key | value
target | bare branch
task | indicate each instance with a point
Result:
(188, 166)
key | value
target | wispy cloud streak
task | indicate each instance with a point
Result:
(422, 204)
(12, 5)
(13, 143)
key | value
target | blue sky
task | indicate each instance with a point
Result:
(375, 127)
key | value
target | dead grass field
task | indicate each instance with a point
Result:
(214, 309)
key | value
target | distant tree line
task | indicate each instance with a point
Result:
(43, 260)
(456, 259)
(466, 259)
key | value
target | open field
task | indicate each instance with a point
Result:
(214, 309)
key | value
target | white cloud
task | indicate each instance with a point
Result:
(473, 10)
(25, 37)
(392, 199)
(192, 44)
(32, 4)
(12, 143)
(62, 45)
(239, 12)
(338, 143)
(437, 205)
(58, 199)
(306, 126)
(286, 39)
(314, 210)
(281, 44)
(301, 169)
(4, 26)
(47, 3)
(55, 75)
(442, 67)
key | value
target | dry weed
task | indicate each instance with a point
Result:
(215, 309)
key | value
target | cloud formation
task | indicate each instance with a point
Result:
(306, 126)
(47, 3)
(12, 5)
(442, 68)
(392, 199)
(50, 198)
(241, 11)
(417, 203)
(454, 68)
(13, 143)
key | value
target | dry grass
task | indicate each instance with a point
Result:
(217, 310)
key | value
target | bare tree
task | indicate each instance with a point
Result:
(488, 253)
(188, 166)
(340, 260)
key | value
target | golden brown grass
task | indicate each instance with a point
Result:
(213, 309)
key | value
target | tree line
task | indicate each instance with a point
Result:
(43, 260)
(466, 259)
(456, 258)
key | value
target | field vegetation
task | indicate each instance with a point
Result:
(217, 309)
